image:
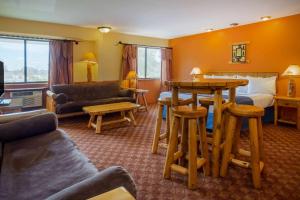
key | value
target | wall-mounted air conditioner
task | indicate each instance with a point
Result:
(28, 99)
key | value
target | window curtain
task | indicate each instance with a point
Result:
(61, 62)
(129, 59)
(166, 67)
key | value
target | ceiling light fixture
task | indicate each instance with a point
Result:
(234, 24)
(104, 29)
(209, 30)
(265, 18)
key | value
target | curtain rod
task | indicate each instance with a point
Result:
(120, 42)
(35, 38)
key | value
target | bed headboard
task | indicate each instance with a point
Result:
(253, 74)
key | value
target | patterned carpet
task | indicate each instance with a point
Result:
(130, 146)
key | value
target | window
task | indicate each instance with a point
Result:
(25, 61)
(149, 62)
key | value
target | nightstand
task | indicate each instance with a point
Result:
(141, 93)
(287, 102)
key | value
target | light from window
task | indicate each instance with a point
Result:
(12, 55)
(149, 62)
(24, 60)
(37, 61)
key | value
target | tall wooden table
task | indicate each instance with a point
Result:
(209, 86)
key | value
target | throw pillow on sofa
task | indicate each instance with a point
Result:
(125, 93)
(61, 98)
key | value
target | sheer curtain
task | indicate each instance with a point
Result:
(166, 67)
(61, 62)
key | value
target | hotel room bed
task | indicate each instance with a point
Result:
(262, 100)
(265, 101)
(259, 92)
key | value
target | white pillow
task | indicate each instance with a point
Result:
(262, 85)
(242, 89)
(224, 76)
(225, 92)
(208, 76)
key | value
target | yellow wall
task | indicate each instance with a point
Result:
(91, 40)
(111, 54)
(85, 36)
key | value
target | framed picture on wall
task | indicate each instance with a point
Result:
(239, 53)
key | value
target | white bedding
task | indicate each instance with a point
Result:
(261, 100)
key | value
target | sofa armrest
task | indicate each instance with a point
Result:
(28, 127)
(50, 94)
(50, 102)
(106, 180)
(20, 115)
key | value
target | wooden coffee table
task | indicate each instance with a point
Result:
(97, 112)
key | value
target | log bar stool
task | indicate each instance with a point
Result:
(188, 146)
(157, 135)
(231, 148)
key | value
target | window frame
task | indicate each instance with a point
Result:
(25, 60)
(146, 78)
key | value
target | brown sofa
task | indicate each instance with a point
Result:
(39, 161)
(68, 100)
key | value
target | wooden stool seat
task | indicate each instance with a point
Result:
(189, 112)
(246, 110)
(231, 146)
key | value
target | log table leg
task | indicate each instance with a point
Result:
(194, 97)
(192, 155)
(175, 97)
(98, 124)
(217, 135)
(232, 95)
(145, 101)
(123, 114)
(217, 130)
(92, 119)
(132, 117)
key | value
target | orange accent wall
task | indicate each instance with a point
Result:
(154, 89)
(273, 45)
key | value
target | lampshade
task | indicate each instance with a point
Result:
(292, 70)
(131, 75)
(89, 57)
(196, 71)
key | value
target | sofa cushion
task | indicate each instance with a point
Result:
(104, 181)
(37, 167)
(1, 155)
(61, 98)
(125, 93)
(88, 91)
(73, 106)
(28, 127)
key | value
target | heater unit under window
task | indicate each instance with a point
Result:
(28, 99)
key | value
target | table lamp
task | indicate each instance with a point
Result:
(292, 71)
(195, 72)
(90, 59)
(132, 76)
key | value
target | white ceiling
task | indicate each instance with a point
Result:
(156, 18)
